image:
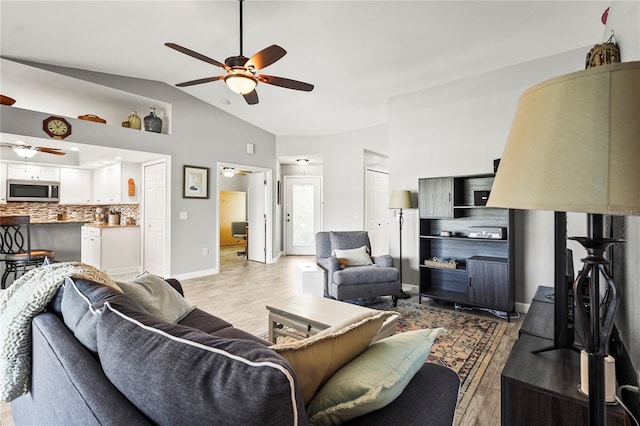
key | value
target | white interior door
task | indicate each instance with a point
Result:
(303, 213)
(377, 211)
(154, 222)
(257, 217)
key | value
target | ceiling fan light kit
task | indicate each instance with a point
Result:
(241, 71)
(241, 83)
(228, 172)
(25, 152)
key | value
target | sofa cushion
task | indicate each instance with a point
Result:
(81, 299)
(179, 375)
(157, 296)
(366, 274)
(210, 324)
(353, 257)
(316, 358)
(372, 380)
(348, 239)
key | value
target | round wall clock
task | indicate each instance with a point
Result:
(56, 127)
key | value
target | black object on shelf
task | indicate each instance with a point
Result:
(563, 298)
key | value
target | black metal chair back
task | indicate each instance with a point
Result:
(15, 246)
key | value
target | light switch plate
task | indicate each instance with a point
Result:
(184, 215)
(251, 148)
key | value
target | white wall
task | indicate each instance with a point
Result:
(459, 129)
(343, 171)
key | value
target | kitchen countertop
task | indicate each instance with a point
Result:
(56, 222)
(106, 225)
(79, 222)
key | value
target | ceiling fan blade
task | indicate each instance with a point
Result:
(200, 81)
(266, 57)
(251, 97)
(196, 55)
(285, 82)
(55, 151)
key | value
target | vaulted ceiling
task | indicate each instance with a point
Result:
(358, 54)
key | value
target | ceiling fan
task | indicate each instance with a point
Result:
(28, 151)
(241, 74)
(231, 172)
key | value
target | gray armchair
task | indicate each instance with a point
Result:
(351, 282)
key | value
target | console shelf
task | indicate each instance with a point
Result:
(485, 276)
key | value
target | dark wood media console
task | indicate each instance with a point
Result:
(542, 389)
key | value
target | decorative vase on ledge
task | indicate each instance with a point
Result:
(134, 121)
(152, 123)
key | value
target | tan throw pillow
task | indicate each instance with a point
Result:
(316, 358)
(353, 257)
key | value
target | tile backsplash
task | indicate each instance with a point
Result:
(46, 212)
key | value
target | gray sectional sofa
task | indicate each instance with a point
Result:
(126, 366)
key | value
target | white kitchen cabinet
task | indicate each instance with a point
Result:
(33, 172)
(107, 184)
(111, 249)
(75, 186)
(111, 183)
(91, 246)
(3, 183)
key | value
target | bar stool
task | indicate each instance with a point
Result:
(15, 245)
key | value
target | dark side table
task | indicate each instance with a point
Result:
(542, 389)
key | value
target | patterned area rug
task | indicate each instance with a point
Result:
(466, 347)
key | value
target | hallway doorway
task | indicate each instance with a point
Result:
(255, 184)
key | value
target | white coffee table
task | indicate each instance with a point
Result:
(310, 314)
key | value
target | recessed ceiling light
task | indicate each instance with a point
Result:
(74, 148)
(118, 158)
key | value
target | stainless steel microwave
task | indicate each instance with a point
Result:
(33, 190)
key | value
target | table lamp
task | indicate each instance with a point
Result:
(574, 146)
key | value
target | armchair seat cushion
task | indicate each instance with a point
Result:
(365, 274)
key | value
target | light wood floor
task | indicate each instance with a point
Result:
(241, 290)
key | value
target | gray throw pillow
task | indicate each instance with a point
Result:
(179, 375)
(81, 301)
(157, 296)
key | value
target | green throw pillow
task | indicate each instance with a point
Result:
(157, 296)
(373, 379)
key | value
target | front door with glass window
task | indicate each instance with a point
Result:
(302, 213)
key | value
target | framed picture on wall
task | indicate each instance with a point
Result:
(195, 182)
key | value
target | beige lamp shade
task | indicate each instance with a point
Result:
(574, 145)
(400, 200)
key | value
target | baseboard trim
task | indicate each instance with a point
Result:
(523, 307)
(196, 274)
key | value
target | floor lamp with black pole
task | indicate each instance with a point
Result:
(401, 200)
(574, 146)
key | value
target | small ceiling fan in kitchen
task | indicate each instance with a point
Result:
(27, 151)
(241, 71)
